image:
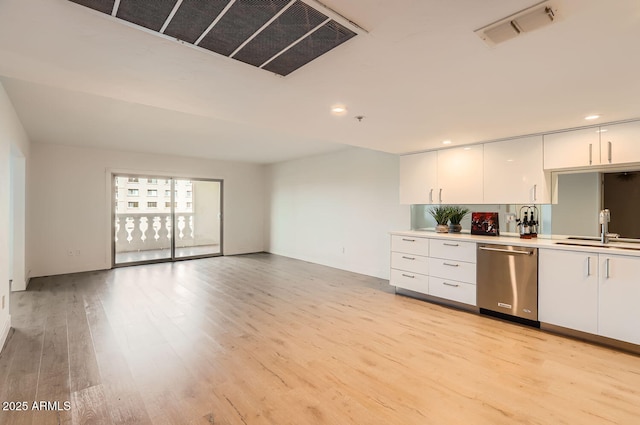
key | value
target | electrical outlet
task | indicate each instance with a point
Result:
(77, 252)
(70, 252)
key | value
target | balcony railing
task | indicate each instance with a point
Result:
(151, 231)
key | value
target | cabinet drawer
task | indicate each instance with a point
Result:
(410, 262)
(453, 250)
(452, 290)
(410, 245)
(412, 281)
(452, 269)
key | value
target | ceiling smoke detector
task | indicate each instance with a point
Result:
(527, 20)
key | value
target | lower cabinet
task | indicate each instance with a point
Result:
(619, 296)
(436, 267)
(594, 293)
(568, 289)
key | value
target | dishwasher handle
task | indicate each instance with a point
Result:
(506, 251)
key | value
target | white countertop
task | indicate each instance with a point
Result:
(618, 248)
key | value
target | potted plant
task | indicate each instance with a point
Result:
(456, 214)
(441, 216)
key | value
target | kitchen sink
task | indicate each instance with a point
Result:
(599, 245)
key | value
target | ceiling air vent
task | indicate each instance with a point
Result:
(279, 36)
(526, 20)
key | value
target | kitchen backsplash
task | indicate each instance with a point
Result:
(422, 220)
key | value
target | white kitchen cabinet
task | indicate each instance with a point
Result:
(460, 174)
(439, 267)
(588, 292)
(419, 178)
(416, 282)
(513, 172)
(619, 295)
(568, 289)
(572, 149)
(620, 143)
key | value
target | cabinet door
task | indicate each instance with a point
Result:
(409, 262)
(460, 271)
(568, 289)
(619, 315)
(412, 281)
(451, 290)
(410, 245)
(460, 175)
(572, 149)
(514, 172)
(418, 178)
(620, 143)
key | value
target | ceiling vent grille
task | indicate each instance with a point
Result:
(527, 20)
(276, 35)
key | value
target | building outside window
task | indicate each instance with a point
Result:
(133, 180)
(167, 193)
(167, 204)
(189, 205)
(132, 192)
(133, 205)
(152, 192)
(152, 181)
(189, 194)
(152, 205)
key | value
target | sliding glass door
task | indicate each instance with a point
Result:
(163, 219)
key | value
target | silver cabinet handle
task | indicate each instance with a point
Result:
(606, 268)
(431, 196)
(588, 266)
(408, 258)
(409, 276)
(450, 284)
(450, 244)
(451, 265)
(408, 240)
(590, 153)
(610, 149)
(535, 192)
(440, 196)
(485, 248)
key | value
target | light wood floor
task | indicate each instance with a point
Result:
(262, 339)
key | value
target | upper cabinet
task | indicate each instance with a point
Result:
(419, 178)
(449, 176)
(620, 143)
(572, 149)
(460, 175)
(614, 144)
(513, 172)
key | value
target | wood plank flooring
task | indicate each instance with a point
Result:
(262, 339)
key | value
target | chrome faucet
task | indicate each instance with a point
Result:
(605, 218)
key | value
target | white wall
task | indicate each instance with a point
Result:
(69, 200)
(336, 209)
(13, 143)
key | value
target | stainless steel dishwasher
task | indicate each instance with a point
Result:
(507, 280)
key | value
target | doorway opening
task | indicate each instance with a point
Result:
(158, 219)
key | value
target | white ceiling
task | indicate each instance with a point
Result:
(419, 76)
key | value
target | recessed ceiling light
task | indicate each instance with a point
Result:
(467, 148)
(446, 142)
(592, 117)
(602, 130)
(338, 109)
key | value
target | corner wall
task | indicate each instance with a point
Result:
(69, 201)
(13, 143)
(336, 209)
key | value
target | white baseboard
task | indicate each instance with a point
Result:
(5, 332)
